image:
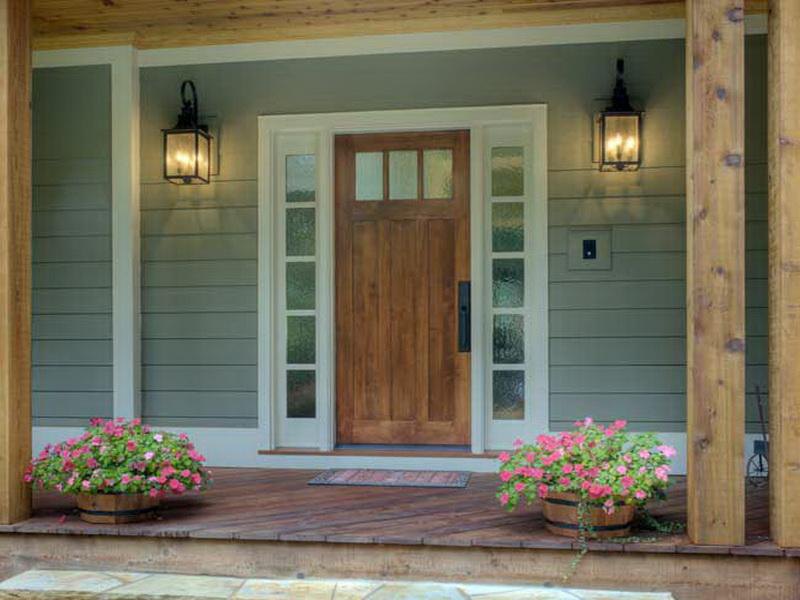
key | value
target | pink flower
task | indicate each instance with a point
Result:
(504, 498)
(622, 469)
(567, 468)
(519, 486)
(640, 494)
(125, 479)
(149, 455)
(627, 458)
(667, 451)
(196, 478)
(136, 422)
(543, 490)
(86, 484)
(627, 481)
(588, 421)
(662, 472)
(91, 463)
(153, 493)
(530, 457)
(186, 473)
(644, 454)
(97, 440)
(620, 424)
(517, 443)
(131, 445)
(168, 471)
(596, 490)
(536, 473)
(503, 457)
(158, 438)
(506, 475)
(183, 436)
(608, 506)
(565, 481)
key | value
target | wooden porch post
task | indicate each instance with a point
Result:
(715, 220)
(15, 257)
(784, 271)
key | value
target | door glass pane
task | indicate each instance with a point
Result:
(369, 175)
(509, 339)
(300, 340)
(301, 394)
(300, 285)
(508, 395)
(508, 282)
(438, 173)
(508, 234)
(301, 178)
(300, 232)
(508, 174)
(403, 175)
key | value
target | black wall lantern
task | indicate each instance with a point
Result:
(187, 146)
(618, 131)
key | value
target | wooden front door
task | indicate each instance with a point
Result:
(402, 248)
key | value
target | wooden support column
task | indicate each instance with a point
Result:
(15, 257)
(784, 271)
(715, 220)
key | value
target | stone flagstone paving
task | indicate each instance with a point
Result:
(112, 585)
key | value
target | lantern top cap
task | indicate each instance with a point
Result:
(620, 102)
(187, 119)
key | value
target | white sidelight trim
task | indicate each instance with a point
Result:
(125, 215)
(430, 42)
(229, 447)
(276, 131)
(125, 232)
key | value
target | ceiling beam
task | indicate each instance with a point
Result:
(149, 24)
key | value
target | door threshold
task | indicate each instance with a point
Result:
(384, 450)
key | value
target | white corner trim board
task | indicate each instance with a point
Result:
(390, 44)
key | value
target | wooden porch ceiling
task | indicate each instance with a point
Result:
(172, 23)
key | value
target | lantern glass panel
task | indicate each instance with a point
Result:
(621, 141)
(187, 156)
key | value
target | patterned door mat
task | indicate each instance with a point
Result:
(392, 478)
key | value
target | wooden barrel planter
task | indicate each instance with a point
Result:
(116, 508)
(561, 517)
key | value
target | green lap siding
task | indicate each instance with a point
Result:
(71, 224)
(617, 346)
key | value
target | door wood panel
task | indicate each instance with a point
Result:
(400, 377)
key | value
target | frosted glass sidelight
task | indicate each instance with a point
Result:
(508, 340)
(301, 394)
(301, 178)
(300, 232)
(508, 233)
(508, 173)
(301, 340)
(508, 395)
(508, 282)
(300, 286)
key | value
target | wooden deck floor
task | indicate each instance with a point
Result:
(262, 504)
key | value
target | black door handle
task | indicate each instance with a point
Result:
(464, 317)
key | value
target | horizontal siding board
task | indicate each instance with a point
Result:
(71, 249)
(200, 378)
(617, 294)
(611, 211)
(642, 407)
(81, 405)
(618, 351)
(643, 266)
(72, 196)
(75, 301)
(70, 275)
(71, 379)
(67, 223)
(199, 299)
(181, 222)
(199, 273)
(199, 352)
(199, 325)
(200, 247)
(204, 405)
(72, 352)
(617, 322)
(163, 195)
(224, 422)
(71, 327)
(60, 171)
(618, 379)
